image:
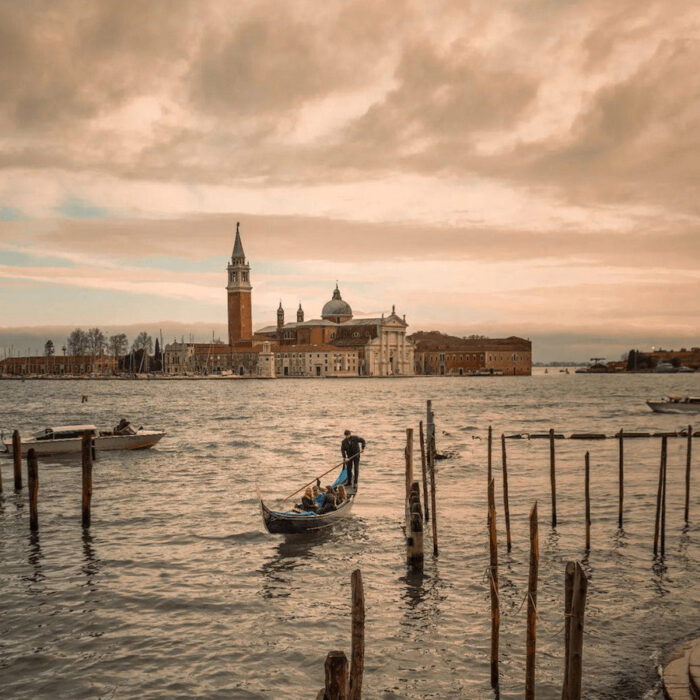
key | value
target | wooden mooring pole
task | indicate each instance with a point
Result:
(17, 459)
(431, 466)
(357, 654)
(424, 470)
(587, 494)
(553, 476)
(489, 451)
(493, 586)
(621, 476)
(506, 505)
(531, 642)
(572, 689)
(414, 530)
(33, 486)
(688, 459)
(409, 461)
(659, 496)
(569, 573)
(336, 687)
(86, 453)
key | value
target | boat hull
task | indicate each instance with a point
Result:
(670, 407)
(294, 524)
(141, 441)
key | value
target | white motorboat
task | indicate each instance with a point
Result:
(65, 439)
(676, 404)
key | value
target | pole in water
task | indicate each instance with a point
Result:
(553, 477)
(17, 459)
(578, 609)
(657, 520)
(33, 487)
(621, 476)
(409, 460)
(414, 530)
(688, 459)
(663, 504)
(489, 451)
(424, 469)
(336, 668)
(86, 453)
(587, 494)
(431, 466)
(568, 597)
(506, 506)
(531, 642)
(493, 587)
(357, 654)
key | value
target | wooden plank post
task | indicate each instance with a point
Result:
(431, 466)
(86, 453)
(578, 609)
(424, 470)
(17, 459)
(657, 520)
(489, 451)
(688, 459)
(621, 476)
(357, 654)
(531, 643)
(506, 505)
(336, 668)
(569, 573)
(587, 494)
(33, 486)
(663, 505)
(414, 529)
(553, 476)
(493, 587)
(408, 452)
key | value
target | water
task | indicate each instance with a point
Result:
(178, 592)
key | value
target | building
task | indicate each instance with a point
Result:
(446, 355)
(58, 365)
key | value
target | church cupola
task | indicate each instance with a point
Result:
(300, 314)
(240, 320)
(336, 309)
(280, 316)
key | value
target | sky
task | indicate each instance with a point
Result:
(527, 167)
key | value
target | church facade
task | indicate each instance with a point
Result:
(334, 345)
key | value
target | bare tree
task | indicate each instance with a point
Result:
(118, 344)
(143, 341)
(49, 348)
(96, 341)
(77, 342)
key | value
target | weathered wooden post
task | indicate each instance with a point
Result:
(531, 643)
(578, 609)
(621, 475)
(506, 506)
(688, 458)
(414, 529)
(336, 668)
(357, 654)
(553, 477)
(657, 520)
(424, 469)
(86, 453)
(431, 466)
(663, 505)
(408, 452)
(33, 486)
(489, 451)
(17, 459)
(569, 573)
(493, 587)
(587, 490)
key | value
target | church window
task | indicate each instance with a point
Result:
(245, 276)
(233, 275)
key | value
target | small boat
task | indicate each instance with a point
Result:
(66, 439)
(676, 404)
(292, 522)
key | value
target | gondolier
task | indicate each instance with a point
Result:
(350, 448)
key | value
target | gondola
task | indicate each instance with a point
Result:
(292, 523)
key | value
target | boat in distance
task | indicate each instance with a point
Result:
(67, 439)
(293, 523)
(676, 404)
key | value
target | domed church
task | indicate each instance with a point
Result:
(336, 309)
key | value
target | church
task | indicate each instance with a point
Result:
(334, 345)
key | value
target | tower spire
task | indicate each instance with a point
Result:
(238, 254)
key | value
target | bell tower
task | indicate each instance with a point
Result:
(240, 320)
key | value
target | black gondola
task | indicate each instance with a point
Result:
(291, 523)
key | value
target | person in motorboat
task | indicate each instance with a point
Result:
(329, 501)
(124, 428)
(350, 448)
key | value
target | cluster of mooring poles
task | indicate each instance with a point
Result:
(419, 514)
(88, 456)
(343, 680)
(575, 581)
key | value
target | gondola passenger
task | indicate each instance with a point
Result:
(307, 502)
(342, 494)
(329, 502)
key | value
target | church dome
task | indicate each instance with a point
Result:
(336, 309)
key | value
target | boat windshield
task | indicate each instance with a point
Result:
(64, 432)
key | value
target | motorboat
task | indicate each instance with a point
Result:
(292, 521)
(66, 439)
(676, 404)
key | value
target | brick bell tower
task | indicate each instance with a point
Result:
(240, 320)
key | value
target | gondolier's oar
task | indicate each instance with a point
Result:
(335, 466)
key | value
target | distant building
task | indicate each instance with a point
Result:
(58, 365)
(639, 361)
(446, 355)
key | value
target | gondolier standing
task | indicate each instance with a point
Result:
(350, 448)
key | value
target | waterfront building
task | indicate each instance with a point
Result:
(58, 365)
(445, 355)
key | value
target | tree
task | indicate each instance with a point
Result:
(143, 342)
(49, 348)
(118, 344)
(96, 341)
(157, 350)
(77, 342)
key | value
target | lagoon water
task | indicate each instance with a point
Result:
(178, 591)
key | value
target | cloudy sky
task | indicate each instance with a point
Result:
(523, 167)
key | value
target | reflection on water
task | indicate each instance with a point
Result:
(177, 591)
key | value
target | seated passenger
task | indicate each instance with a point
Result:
(329, 502)
(124, 428)
(342, 494)
(307, 501)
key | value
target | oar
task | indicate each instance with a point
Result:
(335, 466)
